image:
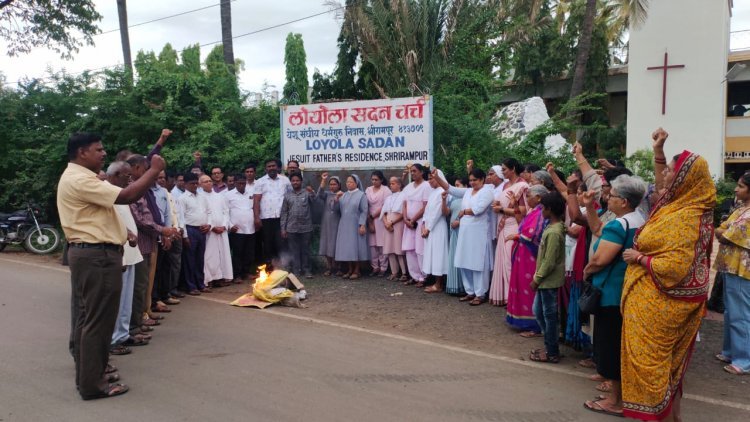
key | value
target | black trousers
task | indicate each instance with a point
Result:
(168, 266)
(243, 253)
(96, 276)
(272, 246)
(607, 341)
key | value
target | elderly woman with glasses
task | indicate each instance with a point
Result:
(608, 270)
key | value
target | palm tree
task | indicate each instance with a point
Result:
(630, 11)
(226, 33)
(122, 13)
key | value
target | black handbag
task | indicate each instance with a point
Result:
(591, 296)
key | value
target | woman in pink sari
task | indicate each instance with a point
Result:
(507, 229)
(520, 314)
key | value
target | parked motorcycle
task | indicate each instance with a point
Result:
(22, 227)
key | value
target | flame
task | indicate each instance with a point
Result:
(263, 275)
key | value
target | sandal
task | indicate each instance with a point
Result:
(146, 329)
(419, 284)
(467, 298)
(148, 322)
(587, 363)
(194, 292)
(530, 334)
(134, 341)
(392, 277)
(327, 274)
(205, 290)
(723, 358)
(476, 301)
(347, 275)
(595, 406)
(538, 357)
(155, 317)
(409, 282)
(597, 378)
(734, 370)
(110, 391)
(110, 369)
(160, 308)
(403, 278)
(432, 289)
(354, 276)
(604, 387)
(118, 350)
(113, 377)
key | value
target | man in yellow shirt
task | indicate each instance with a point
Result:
(95, 235)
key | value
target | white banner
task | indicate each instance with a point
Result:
(374, 134)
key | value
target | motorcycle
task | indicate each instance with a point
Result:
(22, 227)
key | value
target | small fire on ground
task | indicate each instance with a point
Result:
(262, 274)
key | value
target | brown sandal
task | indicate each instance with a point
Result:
(467, 298)
(476, 301)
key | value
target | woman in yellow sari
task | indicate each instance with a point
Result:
(666, 284)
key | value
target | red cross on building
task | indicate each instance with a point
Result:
(665, 67)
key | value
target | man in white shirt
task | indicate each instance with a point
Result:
(241, 228)
(195, 216)
(179, 187)
(217, 264)
(169, 262)
(269, 195)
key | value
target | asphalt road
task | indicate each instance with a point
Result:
(210, 362)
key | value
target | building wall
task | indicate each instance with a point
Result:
(694, 33)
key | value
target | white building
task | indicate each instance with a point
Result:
(705, 96)
(676, 78)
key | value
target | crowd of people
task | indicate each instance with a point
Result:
(531, 239)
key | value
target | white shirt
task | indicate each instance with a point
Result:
(193, 208)
(241, 210)
(273, 191)
(176, 193)
(131, 254)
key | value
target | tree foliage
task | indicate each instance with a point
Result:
(200, 103)
(60, 25)
(295, 60)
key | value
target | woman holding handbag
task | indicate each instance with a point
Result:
(607, 269)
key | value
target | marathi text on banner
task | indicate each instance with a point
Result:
(386, 133)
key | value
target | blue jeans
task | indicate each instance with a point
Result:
(737, 321)
(122, 326)
(545, 311)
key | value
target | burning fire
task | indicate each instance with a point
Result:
(263, 275)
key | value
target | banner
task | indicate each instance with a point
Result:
(374, 134)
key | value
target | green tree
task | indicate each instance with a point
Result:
(295, 61)
(62, 25)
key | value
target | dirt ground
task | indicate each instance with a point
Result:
(379, 304)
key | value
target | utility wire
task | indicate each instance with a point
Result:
(268, 28)
(163, 18)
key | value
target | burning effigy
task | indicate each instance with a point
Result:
(269, 289)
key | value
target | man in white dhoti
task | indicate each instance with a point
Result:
(217, 263)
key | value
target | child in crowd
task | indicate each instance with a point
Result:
(549, 277)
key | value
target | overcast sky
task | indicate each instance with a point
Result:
(263, 53)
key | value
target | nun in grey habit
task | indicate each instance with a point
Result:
(351, 239)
